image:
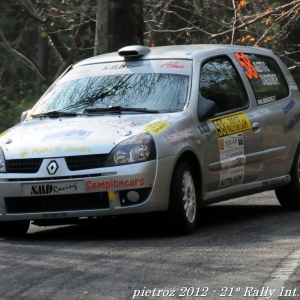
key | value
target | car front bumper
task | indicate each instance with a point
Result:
(128, 189)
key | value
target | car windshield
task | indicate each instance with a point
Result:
(149, 91)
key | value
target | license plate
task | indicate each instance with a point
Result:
(53, 188)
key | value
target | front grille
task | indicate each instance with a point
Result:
(30, 165)
(83, 162)
(52, 203)
(74, 163)
(58, 178)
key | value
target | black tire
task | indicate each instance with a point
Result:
(14, 228)
(289, 195)
(183, 200)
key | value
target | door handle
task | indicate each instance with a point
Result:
(255, 126)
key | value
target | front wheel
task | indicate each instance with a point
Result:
(183, 199)
(289, 195)
(14, 228)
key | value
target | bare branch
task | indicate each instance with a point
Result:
(30, 10)
(190, 23)
(20, 56)
(234, 22)
(262, 16)
(170, 31)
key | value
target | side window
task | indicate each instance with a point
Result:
(220, 82)
(265, 76)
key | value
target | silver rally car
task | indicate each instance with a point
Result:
(169, 129)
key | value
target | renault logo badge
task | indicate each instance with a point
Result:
(52, 167)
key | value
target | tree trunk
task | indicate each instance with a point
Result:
(42, 64)
(119, 23)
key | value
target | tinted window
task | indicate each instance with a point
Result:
(265, 76)
(220, 82)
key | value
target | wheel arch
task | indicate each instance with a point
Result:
(191, 158)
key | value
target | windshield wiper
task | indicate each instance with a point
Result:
(55, 114)
(118, 109)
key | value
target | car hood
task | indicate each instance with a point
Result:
(81, 135)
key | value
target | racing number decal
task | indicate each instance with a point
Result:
(245, 62)
(231, 124)
(221, 127)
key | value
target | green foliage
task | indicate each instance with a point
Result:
(20, 85)
(13, 103)
(44, 34)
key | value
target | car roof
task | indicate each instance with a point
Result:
(174, 52)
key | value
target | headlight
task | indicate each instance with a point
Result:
(2, 162)
(138, 148)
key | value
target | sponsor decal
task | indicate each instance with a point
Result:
(157, 127)
(232, 160)
(231, 142)
(58, 149)
(291, 104)
(266, 100)
(231, 124)
(78, 149)
(121, 66)
(183, 140)
(46, 189)
(113, 184)
(247, 65)
(204, 128)
(210, 135)
(129, 67)
(67, 135)
(172, 65)
(119, 124)
(291, 83)
(23, 154)
(260, 66)
(221, 144)
(178, 133)
(52, 188)
(46, 150)
(240, 139)
(278, 180)
(105, 125)
(292, 123)
(231, 181)
(269, 79)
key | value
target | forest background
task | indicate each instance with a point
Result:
(39, 39)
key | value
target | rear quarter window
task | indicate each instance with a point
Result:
(265, 76)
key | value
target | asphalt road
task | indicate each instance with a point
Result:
(247, 248)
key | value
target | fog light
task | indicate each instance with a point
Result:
(133, 196)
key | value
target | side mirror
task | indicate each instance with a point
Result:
(24, 115)
(206, 109)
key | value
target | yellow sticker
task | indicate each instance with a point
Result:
(230, 124)
(157, 127)
(23, 154)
